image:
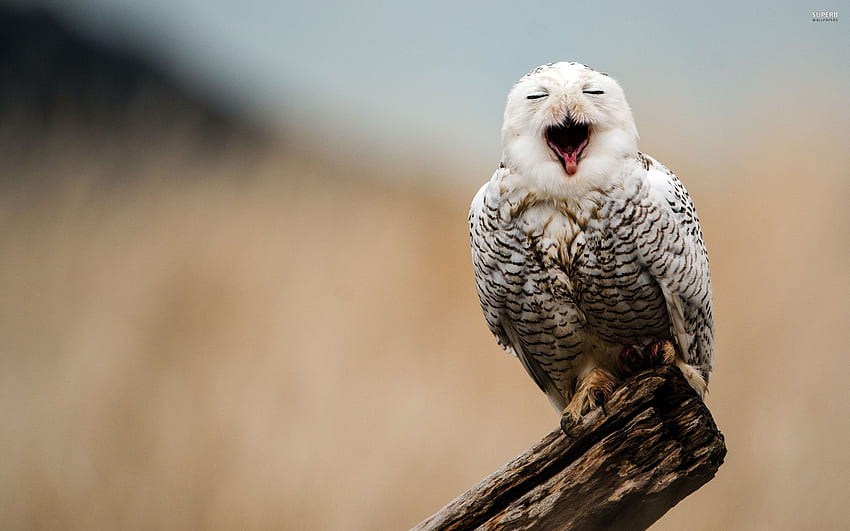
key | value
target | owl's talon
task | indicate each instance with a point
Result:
(632, 360)
(599, 398)
(566, 423)
(662, 353)
(593, 391)
(656, 354)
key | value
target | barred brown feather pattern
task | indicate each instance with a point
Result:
(567, 286)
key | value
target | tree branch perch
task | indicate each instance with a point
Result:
(623, 470)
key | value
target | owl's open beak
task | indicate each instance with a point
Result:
(567, 140)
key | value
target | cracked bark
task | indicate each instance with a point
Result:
(622, 470)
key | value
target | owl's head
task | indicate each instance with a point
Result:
(567, 121)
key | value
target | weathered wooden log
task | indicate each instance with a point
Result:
(623, 468)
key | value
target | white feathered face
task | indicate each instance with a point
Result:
(567, 117)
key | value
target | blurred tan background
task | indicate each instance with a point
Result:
(214, 319)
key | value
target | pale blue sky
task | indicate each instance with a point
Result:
(417, 75)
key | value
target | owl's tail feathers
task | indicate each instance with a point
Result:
(694, 377)
(692, 373)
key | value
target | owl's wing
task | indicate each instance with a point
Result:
(487, 259)
(532, 367)
(672, 248)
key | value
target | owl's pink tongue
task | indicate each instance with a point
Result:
(570, 163)
(570, 155)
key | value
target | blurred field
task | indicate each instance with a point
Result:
(290, 342)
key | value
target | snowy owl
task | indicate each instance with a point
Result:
(589, 259)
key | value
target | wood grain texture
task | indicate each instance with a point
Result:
(623, 468)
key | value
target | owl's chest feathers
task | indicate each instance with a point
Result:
(581, 260)
(561, 240)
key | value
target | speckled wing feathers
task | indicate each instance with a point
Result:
(680, 265)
